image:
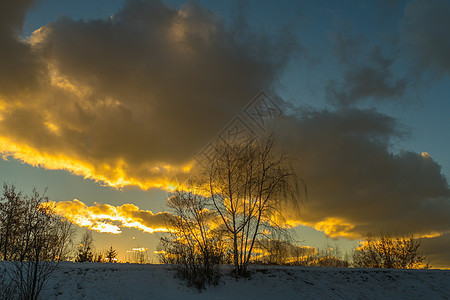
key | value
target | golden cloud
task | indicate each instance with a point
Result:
(336, 227)
(114, 175)
(110, 219)
(120, 115)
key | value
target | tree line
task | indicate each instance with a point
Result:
(34, 239)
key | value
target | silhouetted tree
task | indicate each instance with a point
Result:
(110, 255)
(247, 184)
(387, 252)
(34, 237)
(277, 252)
(12, 210)
(85, 248)
(194, 243)
(330, 257)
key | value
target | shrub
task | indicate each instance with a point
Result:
(387, 252)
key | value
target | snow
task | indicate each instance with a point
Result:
(135, 281)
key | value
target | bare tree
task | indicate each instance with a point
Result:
(247, 184)
(194, 243)
(329, 256)
(35, 238)
(387, 252)
(12, 207)
(277, 252)
(280, 250)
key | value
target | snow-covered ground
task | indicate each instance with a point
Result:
(134, 281)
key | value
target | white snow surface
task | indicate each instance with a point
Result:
(135, 281)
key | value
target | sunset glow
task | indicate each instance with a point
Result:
(109, 107)
(103, 217)
(115, 177)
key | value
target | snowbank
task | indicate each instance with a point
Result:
(134, 281)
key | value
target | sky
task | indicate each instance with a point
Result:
(109, 104)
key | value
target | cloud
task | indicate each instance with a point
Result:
(12, 15)
(392, 61)
(19, 68)
(111, 219)
(368, 73)
(130, 100)
(424, 35)
(356, 184)
(437, 250)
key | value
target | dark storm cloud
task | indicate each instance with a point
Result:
(424, 35)
(360, 185)
(12, 16)
(131, 99)
(19, 68)
(367, 73)
(356, 184)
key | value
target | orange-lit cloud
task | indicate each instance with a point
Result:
(137, 109)
(115, 174)
(111, 219)
(356, 184)
(425, 155)
(336, 228)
